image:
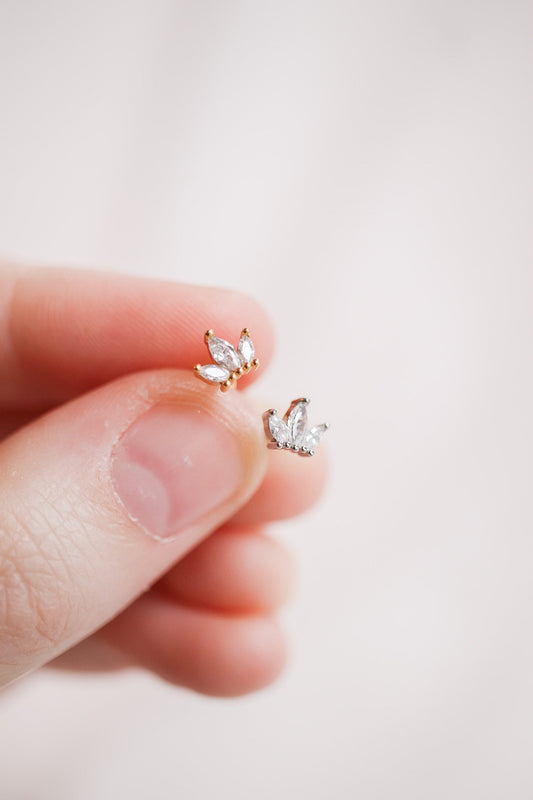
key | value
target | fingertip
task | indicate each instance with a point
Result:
(71, 330)
(213, 654)
(291, 486)
(235, 570)
(255, 660)
(247, 655)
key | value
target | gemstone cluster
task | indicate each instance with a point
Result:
(230, 363)
(290, 432)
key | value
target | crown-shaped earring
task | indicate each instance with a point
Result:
(230, 363)
(291, 431)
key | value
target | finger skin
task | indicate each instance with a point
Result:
(70, 556)
(93, 654)
(232, 571)
(215, 654)
(291, 486)
(239, 571)
(67, 331)
(11, 421)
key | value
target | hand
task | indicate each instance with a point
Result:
(133, 495)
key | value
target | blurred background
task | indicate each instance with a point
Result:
(365, 169)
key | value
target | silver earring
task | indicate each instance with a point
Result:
(291, 432)
(230, 363)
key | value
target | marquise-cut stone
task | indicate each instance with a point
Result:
(278, 428)
(246, 349)
(224, 353)
(313, 437)
(214, 373)
(297, 422)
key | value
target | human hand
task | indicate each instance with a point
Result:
(132, 495)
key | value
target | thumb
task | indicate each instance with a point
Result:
(102, 495)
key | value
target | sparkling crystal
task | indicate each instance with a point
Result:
(278, 429)
(223, 353)
(246, 349)
(214, 373)
(313, 437)
(297, 422)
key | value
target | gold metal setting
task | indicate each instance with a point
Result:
(223, 371)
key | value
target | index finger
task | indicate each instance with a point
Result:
(67, 331)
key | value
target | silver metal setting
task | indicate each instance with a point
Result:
(290, 431)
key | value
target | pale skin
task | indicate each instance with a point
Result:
(82, 355)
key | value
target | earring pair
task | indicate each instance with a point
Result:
(289, 432)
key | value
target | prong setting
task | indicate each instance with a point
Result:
(290, 432)
(230, 363)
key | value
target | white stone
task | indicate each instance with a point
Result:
(214, 373)
(278, 428)
(246, 349)
(223, 353)
(313, 437)
(297, 422)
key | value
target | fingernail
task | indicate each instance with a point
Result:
(173, 466)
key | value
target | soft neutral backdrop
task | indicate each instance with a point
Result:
(365, 169)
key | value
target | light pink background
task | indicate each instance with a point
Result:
(366, 170)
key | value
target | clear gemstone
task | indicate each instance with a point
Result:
(297, 422)
(223, 353)
(246, 349)
(278, 428)
(314, 436)
(214, 373)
